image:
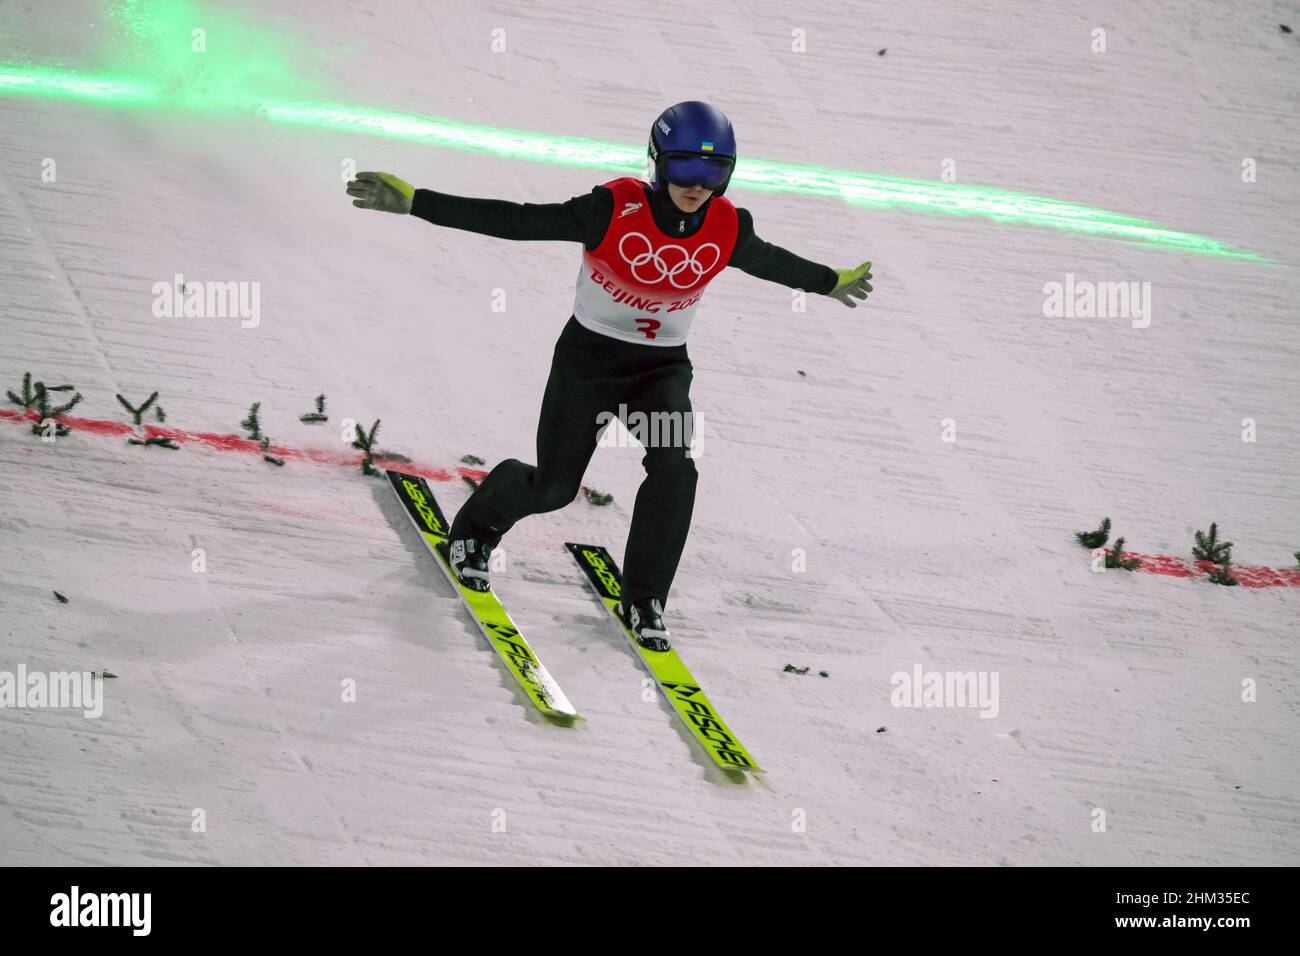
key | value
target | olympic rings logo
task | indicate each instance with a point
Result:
(669, 261)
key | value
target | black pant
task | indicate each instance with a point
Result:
(593, 373)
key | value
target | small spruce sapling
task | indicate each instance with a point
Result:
(312, 418)
(1115, 558)
(1208, 547)
(1095, 539)
(365, 441)
(253, 423)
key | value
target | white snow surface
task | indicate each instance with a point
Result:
(1119, 693)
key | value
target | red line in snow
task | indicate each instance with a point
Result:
(1247, 575)
(234, 443)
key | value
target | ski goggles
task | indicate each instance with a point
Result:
(692, 169)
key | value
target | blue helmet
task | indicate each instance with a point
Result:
(692, 143)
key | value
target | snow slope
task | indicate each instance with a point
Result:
(1117, 692)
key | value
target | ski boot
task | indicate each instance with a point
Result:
(469, 559)
(645, 619)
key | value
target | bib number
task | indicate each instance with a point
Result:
(647, 327)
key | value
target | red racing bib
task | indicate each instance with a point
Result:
(640, 285)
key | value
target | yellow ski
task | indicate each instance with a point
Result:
(422, 508)
(681, 689)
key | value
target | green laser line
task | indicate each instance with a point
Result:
(922, 196)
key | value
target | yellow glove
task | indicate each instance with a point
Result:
(382, 191)
(853, 284)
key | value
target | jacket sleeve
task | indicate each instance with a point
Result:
(769, 261)
(576, 220)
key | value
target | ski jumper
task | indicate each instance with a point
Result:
(625, 344)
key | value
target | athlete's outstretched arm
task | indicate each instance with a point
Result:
(572, 221)
(769, 261)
